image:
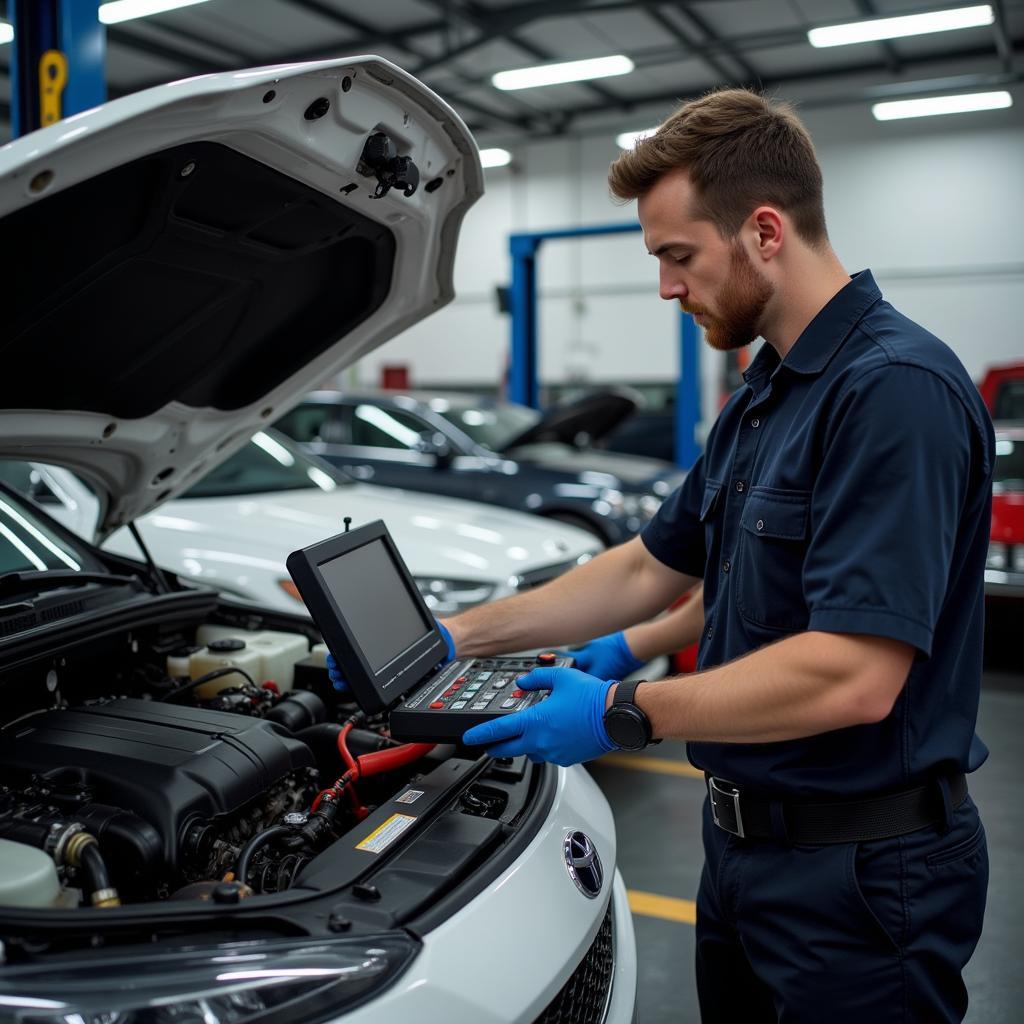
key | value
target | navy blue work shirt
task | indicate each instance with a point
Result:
(847, 489)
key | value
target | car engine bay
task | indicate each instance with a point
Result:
(151, 766)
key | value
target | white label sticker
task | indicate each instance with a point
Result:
(410, 796)
(383, 836)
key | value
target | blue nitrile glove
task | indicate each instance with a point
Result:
(340, 683)
(607, 657)
(566, 728)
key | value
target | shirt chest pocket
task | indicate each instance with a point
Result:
(709, 513)
(774, 527)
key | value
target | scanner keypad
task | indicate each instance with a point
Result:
(487, 684)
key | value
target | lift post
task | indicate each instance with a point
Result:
(57, 61)
(523, 369)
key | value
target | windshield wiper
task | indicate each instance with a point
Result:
(53, 579)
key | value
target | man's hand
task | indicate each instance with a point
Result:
(340, 683)
(607, 657)
(567, 728)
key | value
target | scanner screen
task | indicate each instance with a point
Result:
(373, 599)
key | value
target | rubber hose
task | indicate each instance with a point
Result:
(258, 840)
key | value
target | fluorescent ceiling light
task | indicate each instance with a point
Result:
(907, 25)
(627, 140)
(6, 32)
(124, 10)
(929, 106)
(495, 157)
(556, 74)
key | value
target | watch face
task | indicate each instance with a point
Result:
(627, 726)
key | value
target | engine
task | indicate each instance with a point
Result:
(203, 787)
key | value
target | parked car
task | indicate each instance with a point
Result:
(167, 850)
(1004, 570)
(498, 452)
(1002, 389)
(235, 528)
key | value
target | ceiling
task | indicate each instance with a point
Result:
(680, 49)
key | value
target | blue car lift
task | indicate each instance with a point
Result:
(522, 384)
(57, 61)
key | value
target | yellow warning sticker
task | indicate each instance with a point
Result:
(384, 835)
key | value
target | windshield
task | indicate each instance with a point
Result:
(492, 426)
(27, 544)
(265, 465)
(1009, 473)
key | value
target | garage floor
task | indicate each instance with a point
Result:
(657, 798)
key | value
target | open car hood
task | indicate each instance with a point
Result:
(593, 415)
(186, 262)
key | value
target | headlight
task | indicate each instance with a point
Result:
(996, 556)
(239, 983)
(447, 597)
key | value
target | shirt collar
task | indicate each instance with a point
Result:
(823, 336)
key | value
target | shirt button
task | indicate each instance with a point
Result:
(740, 486)
(708, 634)
(760, 524)
(726, 565)
(755, 423)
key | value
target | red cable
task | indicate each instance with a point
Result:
(395, 757)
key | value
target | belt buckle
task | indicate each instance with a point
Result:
(725, 806)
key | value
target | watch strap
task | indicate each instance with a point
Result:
(625, 691)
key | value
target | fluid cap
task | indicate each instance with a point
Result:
(226, 645)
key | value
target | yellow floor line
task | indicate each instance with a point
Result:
(668, 908)
(661, 765)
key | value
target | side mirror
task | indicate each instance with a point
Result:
(436, 444)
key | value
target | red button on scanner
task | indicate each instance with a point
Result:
(518, 693)
(437, 705)
(547, 658)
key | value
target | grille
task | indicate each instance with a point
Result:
(584, 997)
(535, 577)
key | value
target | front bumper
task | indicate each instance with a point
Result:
(1004, 584)
(507, 953)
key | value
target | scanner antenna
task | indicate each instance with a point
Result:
(348, 523)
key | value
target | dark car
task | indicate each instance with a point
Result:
(499, 452)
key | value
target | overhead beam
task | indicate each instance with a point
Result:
(1003, 46)
(751, 74)
(892, 58)
(693, 50)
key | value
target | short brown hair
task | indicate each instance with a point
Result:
(741, 149)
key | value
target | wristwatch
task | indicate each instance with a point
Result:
(628, 727)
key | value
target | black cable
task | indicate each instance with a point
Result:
(215, 674)
(258, 840)
(94, 867)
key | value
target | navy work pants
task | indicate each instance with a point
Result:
(872, 932)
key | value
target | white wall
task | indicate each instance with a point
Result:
(932, 208)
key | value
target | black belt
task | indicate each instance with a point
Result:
(843, 821)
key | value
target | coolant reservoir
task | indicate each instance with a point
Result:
(278, 649)
(228, 652)
(318, 655)
(28, 877)
(280, 652)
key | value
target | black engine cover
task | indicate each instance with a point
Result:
(165, 762)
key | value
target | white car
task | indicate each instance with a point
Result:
(190, 261)
(235, 528)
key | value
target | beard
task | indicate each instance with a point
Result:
(741, 305)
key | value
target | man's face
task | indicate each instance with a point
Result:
(710, 277)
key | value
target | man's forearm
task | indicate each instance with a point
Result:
(672, 632)
(807, 684)
(617, 588)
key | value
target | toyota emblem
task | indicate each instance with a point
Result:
(583, 864)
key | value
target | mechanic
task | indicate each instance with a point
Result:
(839, 519)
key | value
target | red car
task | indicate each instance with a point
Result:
(1004, 570)
(1002, 389)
